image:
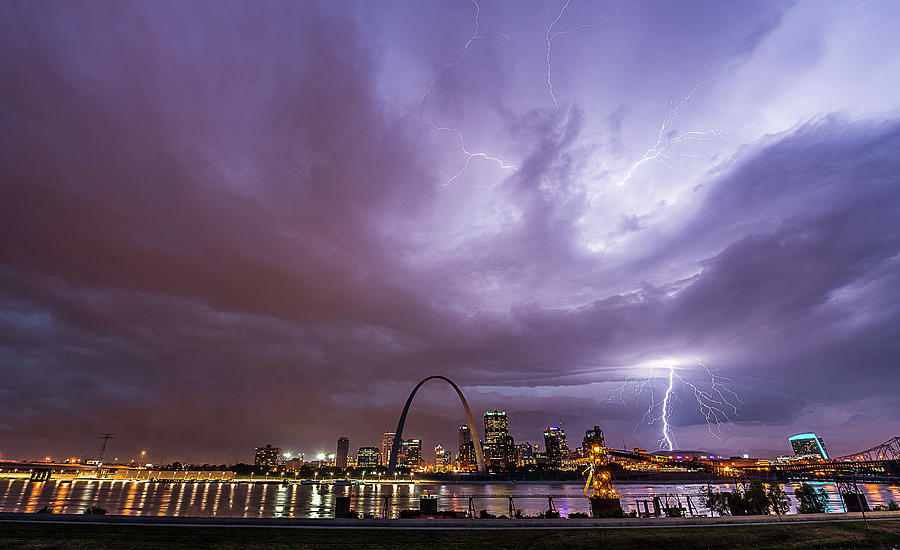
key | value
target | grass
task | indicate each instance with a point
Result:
(31, 536)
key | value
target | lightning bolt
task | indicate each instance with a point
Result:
(475, 36)
(717, 403)
(667, 411)
(550, 35)
(658, 152)
(469, 155)
(662, 141)
(462, 144)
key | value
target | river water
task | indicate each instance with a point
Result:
(266, 500)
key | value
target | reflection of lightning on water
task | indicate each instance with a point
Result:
(717, 402)
(469, 155)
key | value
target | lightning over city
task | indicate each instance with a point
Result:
(715, 398)
(452, 263)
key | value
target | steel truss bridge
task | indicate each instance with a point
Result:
(879, 464)
(889, 450)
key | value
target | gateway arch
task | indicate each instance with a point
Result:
(473, 428)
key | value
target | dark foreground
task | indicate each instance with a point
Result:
(28, 534)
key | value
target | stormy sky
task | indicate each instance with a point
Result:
(226, 224)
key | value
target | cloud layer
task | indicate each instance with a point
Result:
(228, 224)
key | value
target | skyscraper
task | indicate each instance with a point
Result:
(466, 448)
(413, 449)
(496, 426)
(555, 443)
(387, 441)
(367, 457)
(343, 449)
(467, 460)
(465, 434)
(499, 445)
(443, 459)
(808, 444)
(267, 457)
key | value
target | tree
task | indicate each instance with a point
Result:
(672, 512)
(756, 499)
(811, 500)
(716, 502)
(737, 503)
(779, 498)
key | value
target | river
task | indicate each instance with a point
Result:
(268, 500)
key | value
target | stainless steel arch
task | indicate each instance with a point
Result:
(398, 437)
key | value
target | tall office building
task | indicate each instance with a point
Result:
(367, 457)
(592, 438)
(496, 425)
(808, 444)
(387, 441)
(466, 454)
(443, 459)
(467, 460)
(555, 443)
(499, 446)
(465, 434)
(267, 457)
(413, 448)
(343, 449)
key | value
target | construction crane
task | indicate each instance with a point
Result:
(105, 438)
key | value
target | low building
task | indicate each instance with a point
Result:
(293, 464)
(367, 457)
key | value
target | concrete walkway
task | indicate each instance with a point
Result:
(297, 523)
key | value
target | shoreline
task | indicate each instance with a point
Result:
(398, 482)
(340, 523)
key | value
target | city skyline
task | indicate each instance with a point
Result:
(232, 224)
(552, 443)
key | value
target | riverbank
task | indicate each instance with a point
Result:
(34, 531)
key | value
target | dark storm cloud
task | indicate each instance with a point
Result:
(156, 218)
(221, 228)
(761, 308)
